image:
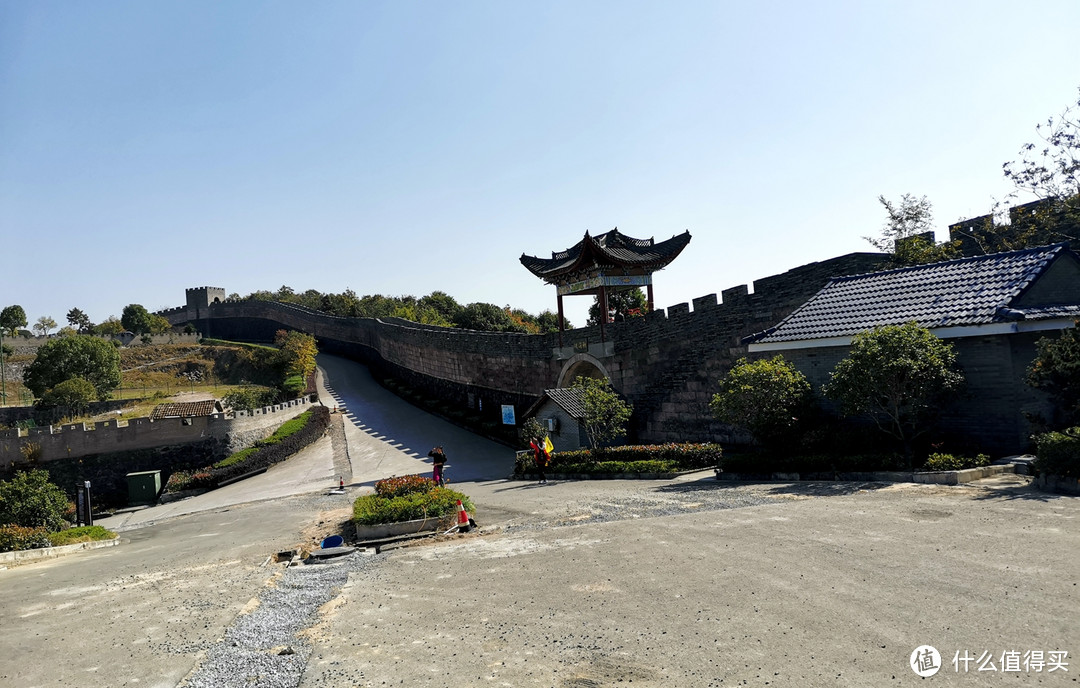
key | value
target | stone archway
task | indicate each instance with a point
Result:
(581, 365)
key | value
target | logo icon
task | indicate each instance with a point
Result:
(925, 661)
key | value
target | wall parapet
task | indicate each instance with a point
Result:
(663, 362)
(81, 439)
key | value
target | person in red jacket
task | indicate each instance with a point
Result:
(438, 460)
(541, 455)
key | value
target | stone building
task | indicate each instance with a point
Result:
(992, 308)
(561, 411)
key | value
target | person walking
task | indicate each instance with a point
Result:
(438, 460)
(541, 455)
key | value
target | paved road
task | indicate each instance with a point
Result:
(383, 436)
(388, 436)
(571, 584)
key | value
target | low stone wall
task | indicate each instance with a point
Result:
(965, 476)
(1058, 483)
(73, 440)
(27, 555)
(926, 477)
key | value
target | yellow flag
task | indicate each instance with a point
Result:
(548, 446)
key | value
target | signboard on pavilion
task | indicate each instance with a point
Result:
(604, 281)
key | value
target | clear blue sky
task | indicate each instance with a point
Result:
(404, 147)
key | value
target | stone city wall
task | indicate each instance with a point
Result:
(83, 439)
(667, 364)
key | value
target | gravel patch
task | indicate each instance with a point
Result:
(266, 647)
(604, 505)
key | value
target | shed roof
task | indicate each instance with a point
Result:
(970, 291)
(186, 409)
(569, 399)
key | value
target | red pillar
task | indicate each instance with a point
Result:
(560, 320)
(649, 298)
(603, 312)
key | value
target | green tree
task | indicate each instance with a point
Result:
(72, 397)
(1056, 370)
(487, 317)
(159, 324)
(1050, 171)
(31, 501)
(135, 318)
(899, 376)
(767, 397)
(297, 352)
(43, 325)
(79, 321)
(627, 303)
(444, 304)
(606, 413)
(548, 321)
(90, 358)
(908, 233)
(12, 318)
(110, 326)
(533, 431)
(250, 398)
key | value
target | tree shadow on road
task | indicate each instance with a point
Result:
(819, 488)
(1027, 493)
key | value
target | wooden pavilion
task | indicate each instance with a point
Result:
(608, 262)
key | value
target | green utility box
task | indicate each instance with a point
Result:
(143, 487)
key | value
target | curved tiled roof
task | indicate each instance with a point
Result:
(611, 249)
(969, 291)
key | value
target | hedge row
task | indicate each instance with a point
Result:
(409, 506)
(1058, 453)
(16, 538)
(289, 439)
(642, 458)
(949, 462)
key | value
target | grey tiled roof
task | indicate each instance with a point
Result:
(571, 399)
(186, 409)
(609, 249)
(968, 291)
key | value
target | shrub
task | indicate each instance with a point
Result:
(73, 536)
(948, 462)
(532, 431)
(436, 502)
(190, 480)
(653, 458)
(1058, 453)
(1056, 370)
(402, 485)
(898, 375)
(31, 452)
(73, 395)
(606, 413)
(15, 538)
(249, 398)
(31, 501)
(768, 397)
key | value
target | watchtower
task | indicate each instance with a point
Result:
(200, 298)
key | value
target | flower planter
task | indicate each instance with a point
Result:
(385, 530)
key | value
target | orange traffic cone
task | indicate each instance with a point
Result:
(462, 518)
